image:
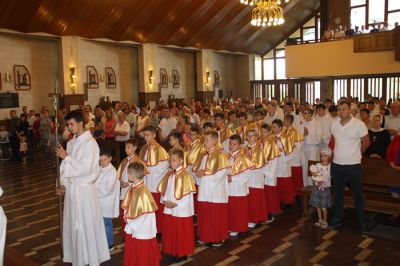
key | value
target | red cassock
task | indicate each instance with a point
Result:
(238, 211)
(286, 190)
(178, 237)
(297, 176)
(257, 205)
(272, 199)
(212, 221)
(393, 151)
(159, 212)
(141, 252)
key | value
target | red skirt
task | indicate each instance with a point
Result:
(212, 221)
(297, 176)
(272, 199)
(141, 252)
(159, 212)
(195, 200)
(286, 190)
(178, 236)
(238, 211)
(257, 205)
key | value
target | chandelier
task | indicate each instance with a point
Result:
(254, 2)
(266, 13)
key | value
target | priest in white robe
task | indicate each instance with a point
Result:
(84, 235)
(3, 231)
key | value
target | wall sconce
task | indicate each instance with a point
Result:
(151, 78)
(72, 78)
(208, 79)
(7, 77)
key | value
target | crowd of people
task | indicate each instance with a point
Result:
(232, 163)
(341, 32)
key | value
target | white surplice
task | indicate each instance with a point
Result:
(311, 147)
(108, 185)
(3, 231)
(84, 235)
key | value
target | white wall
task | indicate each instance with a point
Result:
(184, 62)
(40, 56)
(124, 61)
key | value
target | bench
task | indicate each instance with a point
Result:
(377, 177)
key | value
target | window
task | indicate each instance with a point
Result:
(393, 88)
(357, 2)
(309, 34)
(370, 12)
(394, 5)
(393, 17)
(376, 11)
(257, 68)
(269, 70)
(280, 68)
(375, 87)
(339, 89)
(357, 17)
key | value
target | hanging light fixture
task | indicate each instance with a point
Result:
(254, 2)
(267, 13)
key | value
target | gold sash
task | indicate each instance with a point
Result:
(271, 151)
(196, 148)
(257, 156)
(184, 184)
(287, 143)
(294, 134)
(155, 153)
(216, 161)
(138, 201)
(240, 164)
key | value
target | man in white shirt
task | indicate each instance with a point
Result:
(272, 113)
(167, 124)
(325, 121)
(351, 140)
(392, 121)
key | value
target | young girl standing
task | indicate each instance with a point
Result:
(321, 194)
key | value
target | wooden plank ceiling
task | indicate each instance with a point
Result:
(211, 24)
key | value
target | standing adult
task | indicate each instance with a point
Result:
(392, 121)
(12, 129)
(84, 235)
(122, 133)
(351, 140)
(109, 124)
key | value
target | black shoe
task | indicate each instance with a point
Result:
(334, 226)
(183, 258)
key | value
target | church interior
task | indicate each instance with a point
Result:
(147, 61)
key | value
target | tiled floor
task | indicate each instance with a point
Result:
(31, 206)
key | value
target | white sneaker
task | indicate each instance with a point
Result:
(251, 225)
(233, 233)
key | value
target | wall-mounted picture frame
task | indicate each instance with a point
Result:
(111, 78)
(217, 79)
(22, 78)
(163, 78)
(175, 79)
(92, 77)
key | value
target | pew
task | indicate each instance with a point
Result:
(377, 177)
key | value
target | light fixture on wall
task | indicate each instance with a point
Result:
(72, 78)
(151, 78)
(208, 78)
(7, 77)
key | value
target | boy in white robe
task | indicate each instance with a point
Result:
(107, 185)
(84, 235)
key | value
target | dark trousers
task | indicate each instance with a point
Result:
(349, 175)
(14, 141)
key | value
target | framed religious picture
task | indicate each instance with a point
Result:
(163, 78)
(92, 77)
(216, 79)
(22, 78)
(175, 79)
(111, 79)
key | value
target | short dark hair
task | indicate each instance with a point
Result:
(332, 108)
(77, 115)
(278, 122)
(105, 152)
(321, 106)
(266, 127)
(150, 128)
(219, 115)
(241, 114)
(132, 142)
(206, 111)
(136, 169)
(236, 137)
(345, 103)
(289, 118)
(177, 152)
(177, 135)
(365, 110)
(195, 128)
(207, 124)
(212, 133)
